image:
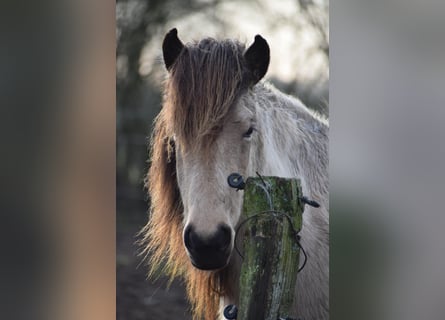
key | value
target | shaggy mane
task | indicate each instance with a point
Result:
(204, 83)
(162, 236)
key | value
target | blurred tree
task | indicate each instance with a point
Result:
(317, 15)
(137, 22)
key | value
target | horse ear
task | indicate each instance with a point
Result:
(258, 57)
(171, 47)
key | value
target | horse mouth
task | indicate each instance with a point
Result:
(210, 262)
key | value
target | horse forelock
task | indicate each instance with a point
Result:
(203, 86)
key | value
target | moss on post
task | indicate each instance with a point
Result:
(269, 269)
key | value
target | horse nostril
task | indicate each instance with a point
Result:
(188, 232)
(219, 241)
(192, 240)
(223, 237)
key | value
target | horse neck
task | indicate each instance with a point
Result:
(291, 142)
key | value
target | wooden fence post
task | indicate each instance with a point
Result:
(269, 269)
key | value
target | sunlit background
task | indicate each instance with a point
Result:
(298, 35)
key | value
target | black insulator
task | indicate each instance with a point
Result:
(312, 203)
(230, 312)
(235, 180)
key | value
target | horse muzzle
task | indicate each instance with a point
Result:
(208, 252)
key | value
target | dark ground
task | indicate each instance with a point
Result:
(139, 298)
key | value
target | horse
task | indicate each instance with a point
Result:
(218, 117)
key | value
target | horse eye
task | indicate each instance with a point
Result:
(248, 133)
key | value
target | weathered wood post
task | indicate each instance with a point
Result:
(270, 265)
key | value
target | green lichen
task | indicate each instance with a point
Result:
(269, 269)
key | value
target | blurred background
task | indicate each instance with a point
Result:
(298, 35)
(58, 152)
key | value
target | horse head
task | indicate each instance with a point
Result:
(212, 131)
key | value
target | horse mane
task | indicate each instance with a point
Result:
(204, 83)
(162, 236)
